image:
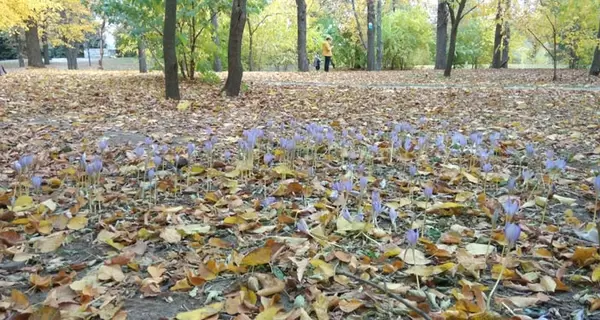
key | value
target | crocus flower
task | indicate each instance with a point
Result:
(439, 143)
(17, 166)
(148, 141)
(103, 145)
(407, 144)
(487, 167)
(227, 155)
(376, 203)
(512, 184)
(428, 192)
(393, 215)
(373, 149)
(139, 152)
(151, 174)
(412, 170)
(484, 155)
(191, 148)
(512, 233)
(301, 226)
(529, 150)
(347, 185)
(346, 214)
(268, 201)
(549, 154)
(597, 185)
(476, 138)
(363, 182)
(36, 182)
(459, 139)
(157, 160)
(527, 175)
(412, 236)
(268, 158)
(360, 217)
(510, 207)
(495, 138)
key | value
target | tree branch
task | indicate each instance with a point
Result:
(386, 291)
(542, 43)
(468, 11)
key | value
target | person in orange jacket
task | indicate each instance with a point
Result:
(328, 53)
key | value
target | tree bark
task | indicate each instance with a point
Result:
(217, 65)
(455, 18)
(302, 55)
(250, 45)
(379, 35)
(34, 53)
(235, 71)
(595, 68)
(45, 49)
(143, 65)
(101, 61)
(441, 39)
(71, 52)
(370, 35)
(360, 33)
(497, 54)
(505, 45)
(169, 53)
(19, 42)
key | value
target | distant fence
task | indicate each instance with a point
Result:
(94, 53)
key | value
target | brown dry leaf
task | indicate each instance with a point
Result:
(19, 300)
(170, 235)
(548, 283)
(202, 313)
(270, 285)
(300, 267)
(77, 223)
(156, 272)
(107, 272)
(524, 302)
(268, 314)
(182, 285)
(40, 282)
(257, 257)
(46, 313)
(321, 306)
(350, 305)
(584, 256)
(51, 242)
(10, 237)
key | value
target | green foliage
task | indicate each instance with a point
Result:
(406, 38)
(210, 77)
(475, 42)
(7, 47)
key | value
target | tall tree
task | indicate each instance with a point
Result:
(235, 71)
(34, 52)
(170, 24)
(379, 35)
(360, 33)
(302, 55)
(45, 48)
(214, 20)
(141, 48)
(19, 41)
(457, 14)
(371, 35)
(501, 35)
(101, 35)
(441, 39)
(595, 68)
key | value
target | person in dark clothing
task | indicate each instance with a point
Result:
(317, 62)
(2, 70)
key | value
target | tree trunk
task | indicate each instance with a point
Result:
(169, 53)
(88, 54)
(370, 35)
(360, 33)
(101, 61)
(595, 69)
(34, 53)
(217, 65)
(555, 56)
(142, 55)
(302, 55)
(45, 49)
(505, 45)
(379, 35)
(394, 5)
(441, 39)
(451, 50)
(234, 58)
(71, 52)
(19, 42)
(497, 54)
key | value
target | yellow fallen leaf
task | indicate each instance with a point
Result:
(323, 268)
(257, 257)
(343, 225)
(107, 272)
(50, 243)
(470, 177)
(463, 196)
(321, 306)
(417, 259)
(268, 314)
(548, 283)
(565, 200)
(445, 206)
(77, 223)
(284, 170)
(51, 205)
(201, 313)
(46, 313)
(23, 203)
(596, 274)
(19, 299)
(170, 235)
(183, 105)
(182, 284)
(350, 305)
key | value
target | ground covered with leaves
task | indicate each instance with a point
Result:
(298, 201)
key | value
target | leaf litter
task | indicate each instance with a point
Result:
(271, 206)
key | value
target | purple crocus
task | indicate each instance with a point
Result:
(393, 215)
(439, 143)
(428, 192)
(191, 148)
(476, 138)
(512, 233)
(103, 145)
(17, 166)
(510, 207)
(148, 141)
(36, 182)
(407, 144)
(512, 184)
(227, 155)
(412, 170)
(487, 168)
(529, 150)
(151, 174)
(139, 152)
(302, 227)
(527, 175)
(597, 185)
(376, 204)
(458, 139)
(363, 182)
(268, 201)
(412, 236)
(346, 214)
(268, 158)
(157, 160)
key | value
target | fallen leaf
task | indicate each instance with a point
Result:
(417, 259)
(548, 283)
(50, 243)
(77, 223)
(257, 257)
(350, 305)
(268, 314)
(202, 313)
(107, 272)
(170, 235)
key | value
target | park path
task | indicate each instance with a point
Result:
(428, 86)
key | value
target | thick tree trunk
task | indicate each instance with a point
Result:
(101, 61)
(71, 52)
(505, 45)
(360, 33)
(451, 50)
(19, 42)
(497, 54)
(88, 53)
(235, 71)
(45, 49)
(169, 53)
(142, 55)
(441, 39)
(370, 35)
(595, 69)
(379, 35)
(302, 55)
(217, 65)
(34, 53)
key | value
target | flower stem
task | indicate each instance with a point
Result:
(489, 302)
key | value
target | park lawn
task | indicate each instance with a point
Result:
(213, 235)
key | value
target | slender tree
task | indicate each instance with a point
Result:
(170, 55)
(19, 43)
(441, 39)
(141, 48)
(302, 55)
(235, 71)
(360, 32)
(456, 16)
(501, 36)
(214, 20)
(370, 35)
(379, 35)
(595, 69)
